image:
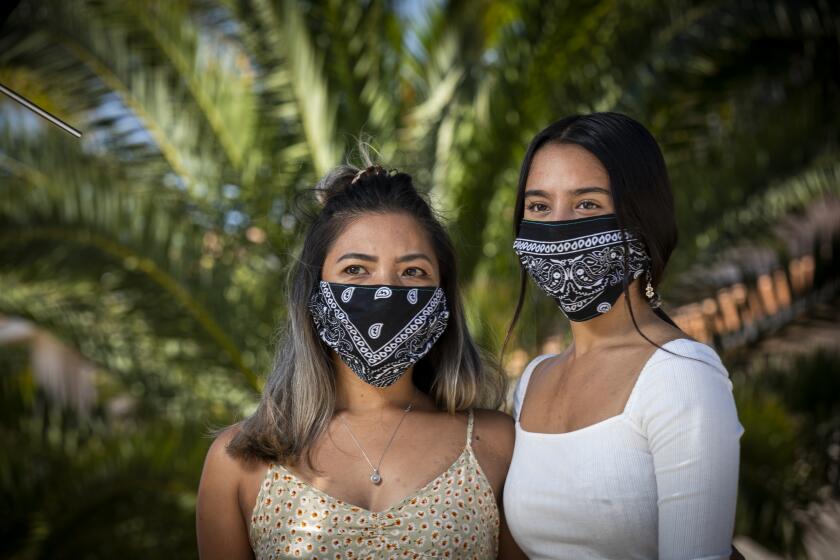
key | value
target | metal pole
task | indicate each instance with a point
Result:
(34, 108)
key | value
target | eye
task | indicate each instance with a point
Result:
(588, 205)
(537, 207)
(354, 269)
(415, 272)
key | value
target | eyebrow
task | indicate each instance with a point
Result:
(587, 190)
(357, 256)
(371, 258)
(576, 192)
(414, 256)
(536, 192)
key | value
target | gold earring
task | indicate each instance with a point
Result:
(653, 298)
(649, 291)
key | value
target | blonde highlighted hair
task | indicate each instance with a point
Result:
(298, 399)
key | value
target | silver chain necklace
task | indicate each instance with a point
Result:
(375, 476)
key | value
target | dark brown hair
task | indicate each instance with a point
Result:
(641, 190)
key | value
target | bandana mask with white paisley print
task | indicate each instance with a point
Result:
(378, 331)
(581, 263)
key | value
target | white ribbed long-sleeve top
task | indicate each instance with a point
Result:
(659, 480)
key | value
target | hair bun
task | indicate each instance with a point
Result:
(335, 182)
(342, 178)
(374, 169)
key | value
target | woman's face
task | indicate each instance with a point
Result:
(374, 249)
(566, 182)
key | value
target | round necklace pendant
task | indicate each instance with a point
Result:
(376, 478)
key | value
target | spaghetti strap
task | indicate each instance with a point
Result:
(470, 422)
(462, 492)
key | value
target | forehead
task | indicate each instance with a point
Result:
(383, 234)
(565, 167)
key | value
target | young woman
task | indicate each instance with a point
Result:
(366, 443)
(627, 443)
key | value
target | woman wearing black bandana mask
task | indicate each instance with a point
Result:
(627, 443)
(367, 441)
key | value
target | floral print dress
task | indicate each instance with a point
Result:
(453, 516)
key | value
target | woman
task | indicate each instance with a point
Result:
(627, 443)
(365, 443)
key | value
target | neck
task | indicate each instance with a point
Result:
(355, 396)
(615, 327)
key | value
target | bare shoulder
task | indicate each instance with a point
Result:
(548, 363)
(219, 520)
(662, 333)
(220, 467)
(218, 452)
(494, 429)
(493, 438)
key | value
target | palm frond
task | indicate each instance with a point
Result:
(301, 74)
(84, 210)
(215, 70)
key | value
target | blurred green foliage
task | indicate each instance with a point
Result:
(790, 452)
(92, 486)
(157, 246)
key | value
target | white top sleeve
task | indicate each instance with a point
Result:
(686, 410)
(522, 384)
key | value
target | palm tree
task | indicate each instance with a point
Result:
(156, 247)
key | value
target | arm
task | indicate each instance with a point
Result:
(508, 549)
(222, 533)
(493, 440)
(689, 416)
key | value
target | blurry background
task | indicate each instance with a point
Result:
(142, 268)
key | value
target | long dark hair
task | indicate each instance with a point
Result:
(641, 190)
(299, 397)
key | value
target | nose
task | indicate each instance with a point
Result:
(561, 213)
(386, 277)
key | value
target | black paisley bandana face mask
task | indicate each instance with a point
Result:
(580, 263)
(378, 331)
